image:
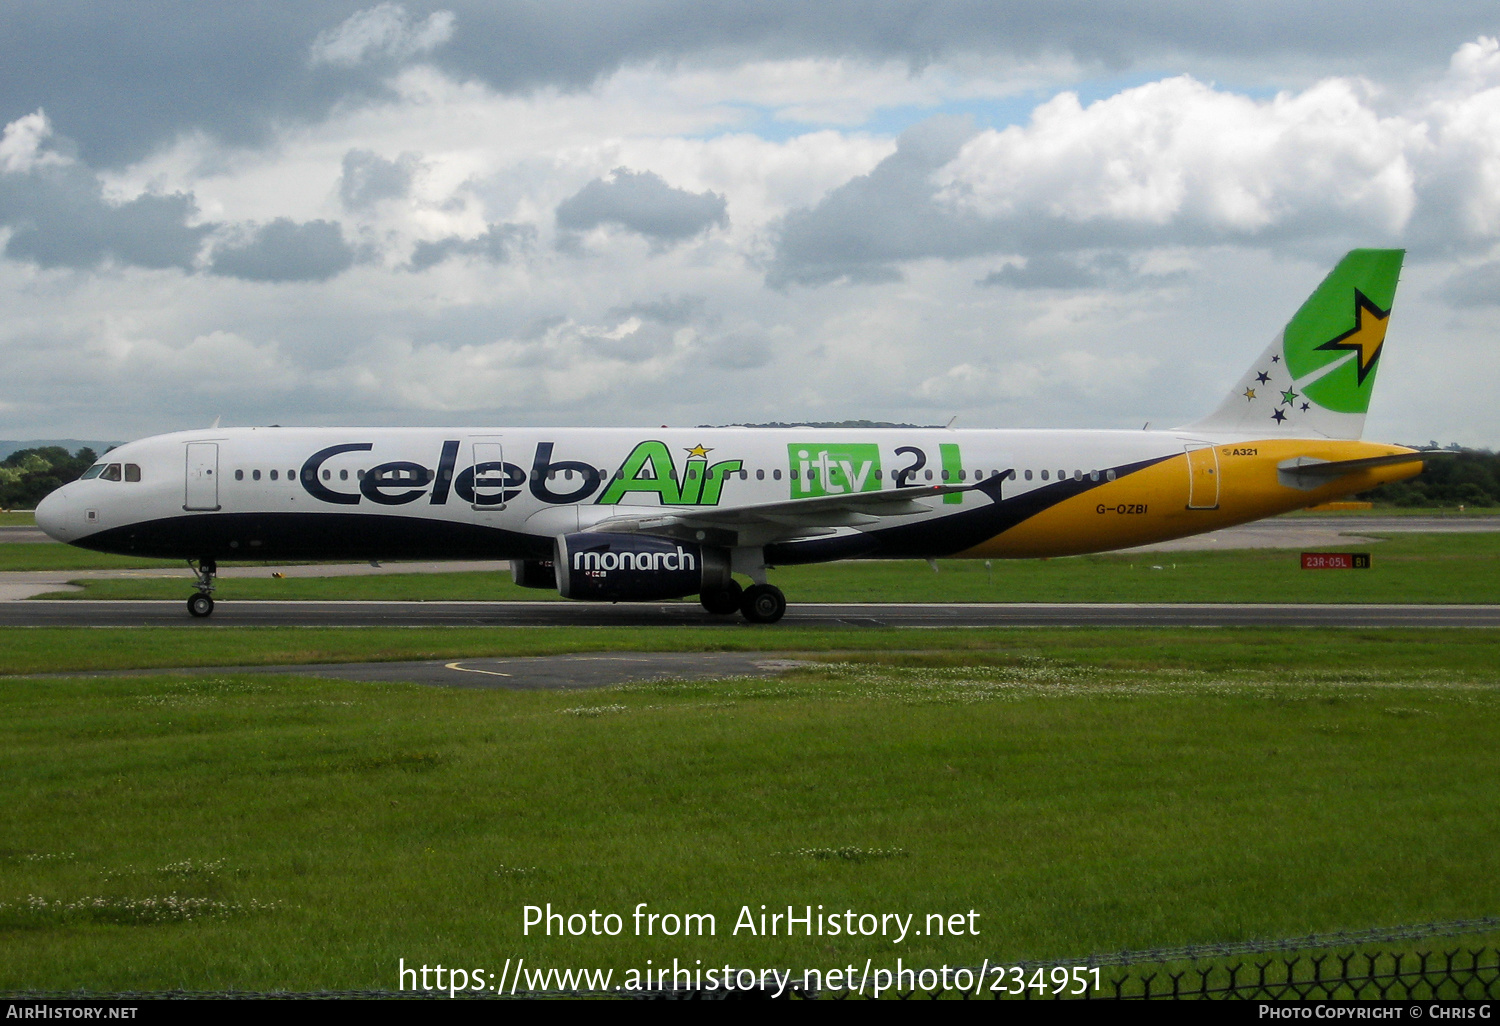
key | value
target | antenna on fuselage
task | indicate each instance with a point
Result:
(951, 421)
(215, 425)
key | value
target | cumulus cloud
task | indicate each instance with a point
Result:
(499, 243)
(384, 31)
(21, 144)
(1172, 162)
(860, 231)
(1475, 286)
(369, 178)
(1057, 271)
(639, 201)
(286, 251)
(1181, 152)
(59, 215)
(235, 71)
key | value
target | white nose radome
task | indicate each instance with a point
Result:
(52, 516)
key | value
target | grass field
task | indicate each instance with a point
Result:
(16, 518)
(1406, 568)
(1080, 790)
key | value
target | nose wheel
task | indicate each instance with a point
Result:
(202, 604)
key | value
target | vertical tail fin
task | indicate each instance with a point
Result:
(1316, 377)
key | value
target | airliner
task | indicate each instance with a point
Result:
(620, 514)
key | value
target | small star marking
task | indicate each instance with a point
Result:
(1262, 377)
(1279, 416)
(1249, 393)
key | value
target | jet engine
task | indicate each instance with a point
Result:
(533, 573)
(636, 568)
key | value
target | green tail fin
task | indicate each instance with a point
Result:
(1315, 379)
(1332, 344)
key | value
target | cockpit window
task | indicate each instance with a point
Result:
(94, 471)
(111, 473)
(132, 472)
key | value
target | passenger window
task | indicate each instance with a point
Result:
(239, 475)
(343, 475)
(929, 474)
(1011, 474)
(1077, 475)
(327, 475)
(92, 472)
(273, 475)
(760, 475)
(1093, 475)
(111, 473)
(877, 474)
(776, 474)
(1028, 475)
(1109, 475)
(255, 475)
(291, 475)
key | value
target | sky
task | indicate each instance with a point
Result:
(1045, 213)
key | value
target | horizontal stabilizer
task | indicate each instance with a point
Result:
(1308, 472)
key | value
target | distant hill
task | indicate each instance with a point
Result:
(71, 444)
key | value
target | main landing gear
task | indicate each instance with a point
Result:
(722, 603)
(760, 603)
(202, 604)
(763, 603)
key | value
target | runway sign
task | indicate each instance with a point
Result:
(1335, 561)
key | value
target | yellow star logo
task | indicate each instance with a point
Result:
(1367, 335)
(1248, 393)
(698, 450)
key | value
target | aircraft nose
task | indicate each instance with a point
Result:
(52, 515)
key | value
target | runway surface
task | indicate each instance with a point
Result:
(84, 613)
(556, 673)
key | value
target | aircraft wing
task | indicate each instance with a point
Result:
(771, 521)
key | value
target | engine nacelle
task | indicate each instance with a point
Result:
(636, 568)
(533, 573)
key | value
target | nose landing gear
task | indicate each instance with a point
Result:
(202, 604)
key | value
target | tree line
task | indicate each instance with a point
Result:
(1470, 477)
(27, 475)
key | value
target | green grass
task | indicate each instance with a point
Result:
(1082, 791)
(61, 650)
(1406, 568)
(15, 518)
